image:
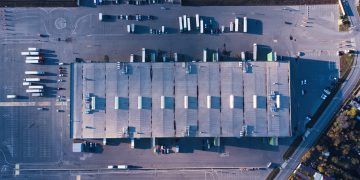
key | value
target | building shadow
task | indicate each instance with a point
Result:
(254, 26)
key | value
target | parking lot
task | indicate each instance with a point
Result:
(29, 135)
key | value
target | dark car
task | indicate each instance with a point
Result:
(60, 88)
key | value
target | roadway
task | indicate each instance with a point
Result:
(332, 109)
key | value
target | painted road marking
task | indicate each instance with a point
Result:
(46, 103)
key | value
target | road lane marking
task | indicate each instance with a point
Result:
(6, 104)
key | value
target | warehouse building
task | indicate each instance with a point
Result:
(180, 99)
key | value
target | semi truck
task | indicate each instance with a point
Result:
(100, 16)
(181, 24)
(33, 53)
(33, 58)
(245, 25)
(197, 17)
(36, 87)
(184, 22)
(34, 72)
(33, 61)
(188, 24)
(231, 26)
(32, 79)
(36, 94)
(143, 56)
(33, 49)
(11, 96)
(34, 90)
(201, 26)
(236, 24)
(25, 53)
(133, 28)
(26, 83)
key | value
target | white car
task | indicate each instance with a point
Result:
(61, 63)
(323, 96)
(302, 92)
(326, 91)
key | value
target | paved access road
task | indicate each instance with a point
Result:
(332, 108)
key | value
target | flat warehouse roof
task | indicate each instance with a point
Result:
(180, 99)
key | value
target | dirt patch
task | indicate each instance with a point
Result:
(253, 2)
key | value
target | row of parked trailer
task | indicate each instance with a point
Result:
(185, 24)
(32, 56)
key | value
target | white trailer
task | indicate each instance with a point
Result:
(36, 87)
(25, 53)
(133, 28)
(34, 90)
(34, 72)
(197, 17)
(176, 57)
(163, 29)
(32, 79)
(11, 96)
(231, 26)
(188, 24)
(201, 26)
(128, 27)
(32, 61)
(180, 24)
(36, 94)
(243, 56)
(33, 49)
(26, 83)
(143, 50)
(236, 24)
(245, 25)
(255, 52)
(185, 23)
(100, 16)
(131, 57)
(204, 55)
(34, 53)
(33, 57)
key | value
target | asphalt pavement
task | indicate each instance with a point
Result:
(77, 33)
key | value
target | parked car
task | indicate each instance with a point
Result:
(327, 91)
(323, 96)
